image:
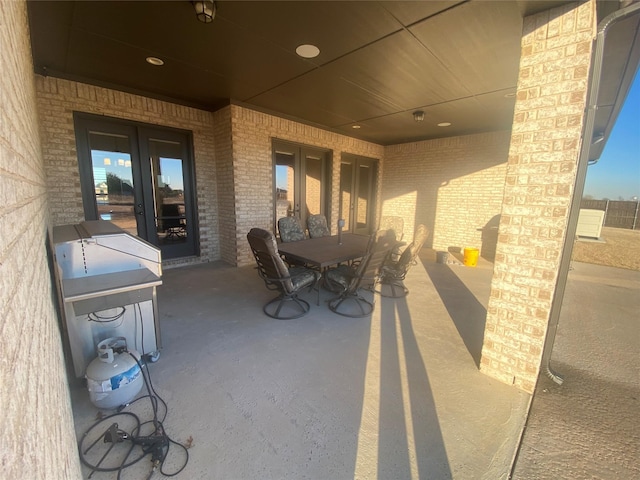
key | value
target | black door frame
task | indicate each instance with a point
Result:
(139, 134)
(299, 153)
(356, 163)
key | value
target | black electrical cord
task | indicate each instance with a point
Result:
(157, 443)
(94, 317)
(154, 397)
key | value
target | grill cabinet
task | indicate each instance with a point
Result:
(107, 282)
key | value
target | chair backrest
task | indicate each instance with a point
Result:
(271, 267)
(317, 226)
(170, 215)
(410, 254)
(390, 222)
(420, 236)
(369, 268)
(290, 229)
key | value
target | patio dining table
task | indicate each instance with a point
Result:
(323, 252)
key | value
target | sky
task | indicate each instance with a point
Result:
(616, 176)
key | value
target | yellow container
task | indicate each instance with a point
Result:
(471, 257)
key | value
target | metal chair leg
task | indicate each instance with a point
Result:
(283, 300)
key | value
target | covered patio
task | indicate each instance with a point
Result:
(434, 385)
(397, 394)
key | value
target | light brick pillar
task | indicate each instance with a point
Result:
(541, 171)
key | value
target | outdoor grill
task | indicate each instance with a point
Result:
(107, 282)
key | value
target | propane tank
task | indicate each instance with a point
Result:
(114, 378)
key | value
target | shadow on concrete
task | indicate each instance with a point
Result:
(467, 313)
(406, 399)
(392, 395)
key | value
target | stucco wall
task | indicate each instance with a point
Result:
(58, 99)
(36, 426)
(452, 185)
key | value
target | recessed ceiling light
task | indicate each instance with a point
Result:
(308, 51)
(355, 126)
(444, 124)
(155, 61)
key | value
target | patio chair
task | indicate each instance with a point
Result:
(290, 229)
(349, 280)
(172, 222)
(277, 276)
(394, 272)
(317, 226)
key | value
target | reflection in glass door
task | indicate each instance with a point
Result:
(363, 190)
(301, 175)
(285, 167)
(170, 220)
(358, 193)
(139, 178)
(113, 180)
(313, 183)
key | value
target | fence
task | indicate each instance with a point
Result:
(618, 213)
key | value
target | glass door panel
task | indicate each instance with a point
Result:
(313, 185)
(169, 212)
(170, 207)
(346, 203)
(113, 180)
(285, 185)
(363, 197)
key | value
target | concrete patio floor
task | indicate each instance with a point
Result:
(589, 427)
(392, 396)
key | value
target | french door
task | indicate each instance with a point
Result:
(139, 177)
(301, 176)
(358, 187)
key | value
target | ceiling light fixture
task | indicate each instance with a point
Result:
(444, 124)
(418, 116)
(205, 10)
(308, 51)
(355, 126)
(155, 61)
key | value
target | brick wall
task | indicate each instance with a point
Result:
(253, 167)
(58, 99)
(226, 188)
(38, 439)
(232, 158)
(452, 185)
(545, 143)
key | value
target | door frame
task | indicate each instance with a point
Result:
(356, 162)
(300, 152)
(138, 134)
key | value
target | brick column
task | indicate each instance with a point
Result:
(541, 171)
